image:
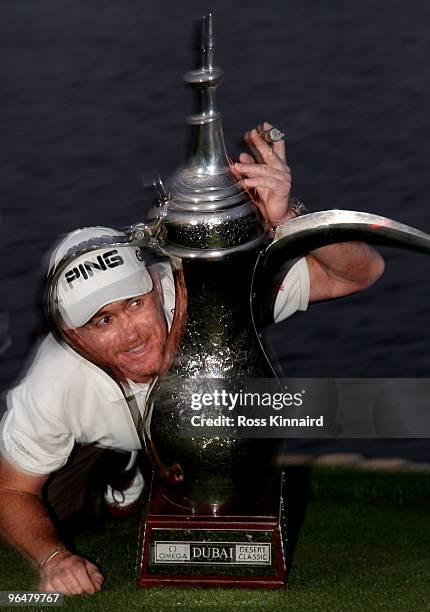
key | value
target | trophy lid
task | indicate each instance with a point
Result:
(209, 215)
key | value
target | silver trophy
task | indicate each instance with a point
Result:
(219, 494)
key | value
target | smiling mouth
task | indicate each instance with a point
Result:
(136, 349)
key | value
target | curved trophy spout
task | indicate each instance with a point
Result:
(299, 236)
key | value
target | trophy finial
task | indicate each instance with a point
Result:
(207, 42)
(206, 78)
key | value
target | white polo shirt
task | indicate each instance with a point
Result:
(65, 399)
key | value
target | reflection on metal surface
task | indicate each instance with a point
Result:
(347, 222)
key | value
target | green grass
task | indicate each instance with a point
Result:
(364, 545)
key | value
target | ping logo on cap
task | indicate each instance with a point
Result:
(85, 270)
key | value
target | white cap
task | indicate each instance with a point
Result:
(98, 278)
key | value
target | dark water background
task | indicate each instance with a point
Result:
(91, 97)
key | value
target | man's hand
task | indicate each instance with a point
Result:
(25, 524)
(266, 175)
(71, 575)
(335, 270)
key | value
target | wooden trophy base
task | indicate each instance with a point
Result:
(229, 550)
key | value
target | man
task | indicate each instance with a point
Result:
(121, 318)
(68, 407)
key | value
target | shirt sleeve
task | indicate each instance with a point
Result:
(168, 287)
(32, 437)
(293, 294)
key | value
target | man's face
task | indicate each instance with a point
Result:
(127, 336)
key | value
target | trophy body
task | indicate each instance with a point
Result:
(219, 523)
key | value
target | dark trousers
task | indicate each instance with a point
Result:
(78, 487)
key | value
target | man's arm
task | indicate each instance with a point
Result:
(335, 270)
(341, 269)
(25, 524)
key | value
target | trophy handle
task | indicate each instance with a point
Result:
(299, 236)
